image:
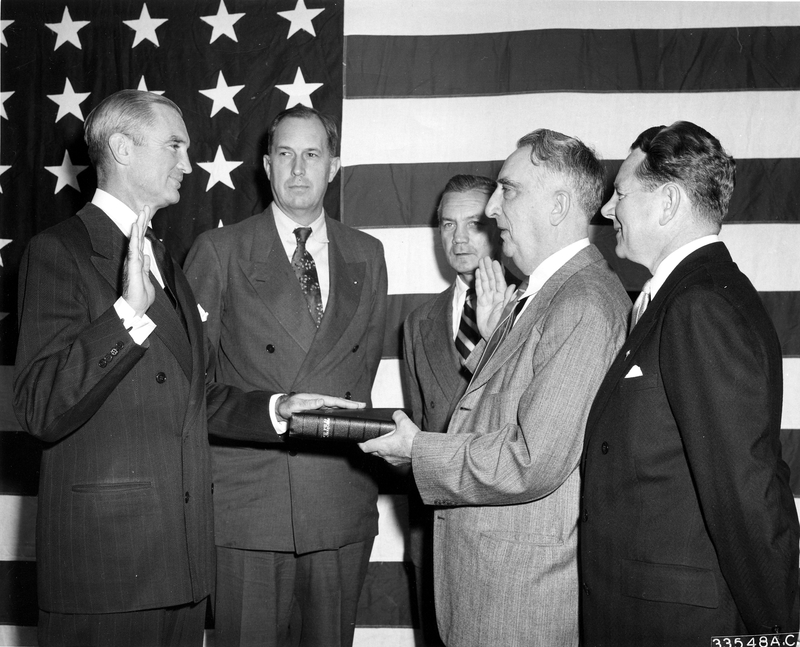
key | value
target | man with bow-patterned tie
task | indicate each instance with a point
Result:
(504, 477)
(438, 337)
(688, 527)
(296, 301)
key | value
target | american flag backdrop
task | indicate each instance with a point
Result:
(424, 89)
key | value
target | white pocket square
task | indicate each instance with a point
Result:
(203, 313)
(634, 372)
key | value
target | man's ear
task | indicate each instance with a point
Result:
(268, 166)
(336, 164)
(561, 204)
(121, 148)
(671, 198)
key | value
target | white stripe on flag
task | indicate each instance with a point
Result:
(432, 130)
(423, 17)
(392, 528)
(754, 246)
(790, 419)
(18, 528)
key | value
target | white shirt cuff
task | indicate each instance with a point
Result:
(280, 427)
(138, 327)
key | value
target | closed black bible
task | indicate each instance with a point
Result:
(355, 425)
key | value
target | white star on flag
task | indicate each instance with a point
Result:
(143, 87)
(3, 97)
(219, 170)
(3, 25)
(3, 243)
(67, 30)
(67, 173)
(69, 102)
(300, 18)
(222, 95)
(222, 23)
(299, 91)
(145, 27)
(3, 169)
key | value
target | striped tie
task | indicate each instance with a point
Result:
(468, 334)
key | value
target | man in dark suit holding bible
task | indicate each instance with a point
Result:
(296, 301)
(688, 525)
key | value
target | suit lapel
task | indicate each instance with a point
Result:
(522, 330)
(716, 252)
(270, 273)
(109, 246)
(436, 333)
(346, 284)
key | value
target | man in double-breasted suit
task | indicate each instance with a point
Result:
(110, 374)
(295, 301)
(689, 528)
(438, 336)
(504, 477)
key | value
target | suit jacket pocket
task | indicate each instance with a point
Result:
(638, 383)
(669, 583)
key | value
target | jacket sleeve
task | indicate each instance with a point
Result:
(68, 363)
(539, 439)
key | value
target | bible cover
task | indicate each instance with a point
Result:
(356, 425)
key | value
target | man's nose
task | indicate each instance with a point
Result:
(492, 209)
(299, 166)
(607, 210)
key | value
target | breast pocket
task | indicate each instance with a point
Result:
(639, 383)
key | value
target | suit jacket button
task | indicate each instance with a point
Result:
(604, 447)
(432, 404)
(348, 396)
(270, 348)
(585, 515)
(212, 488)
(292, 452)
(355, 348)
(186, 498)
(103, 362)
(161, 377)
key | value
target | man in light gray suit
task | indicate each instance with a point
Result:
(505, 475)
(438, 337)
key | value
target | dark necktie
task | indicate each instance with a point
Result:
(468, 335)
(306, 272)
(507, 318)
(165, 266)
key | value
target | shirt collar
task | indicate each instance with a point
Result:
(286, 226)
(666, 266)
(552, 264)
(119, 212)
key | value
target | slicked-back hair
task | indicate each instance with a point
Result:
(129, 112)
(304, 112)
(465, 183)
(573, 159)
(692, 157)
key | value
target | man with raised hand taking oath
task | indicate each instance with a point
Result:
(111, 375)
(504, 477)
(689, 528)
(296, 301)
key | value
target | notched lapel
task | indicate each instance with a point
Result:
(437, 343)
(170, 329)
(278, 288)
(346, 288)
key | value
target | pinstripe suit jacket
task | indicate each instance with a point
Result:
(505, 475)
(281, 496)
(124, 506)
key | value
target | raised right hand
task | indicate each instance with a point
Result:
(493, 295)
(137, 289)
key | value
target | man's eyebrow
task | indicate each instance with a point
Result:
(507, 182)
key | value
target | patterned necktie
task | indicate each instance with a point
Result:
(507, 318)
(640, 305)
(468, 334)
(165, 266)
(306, 272)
